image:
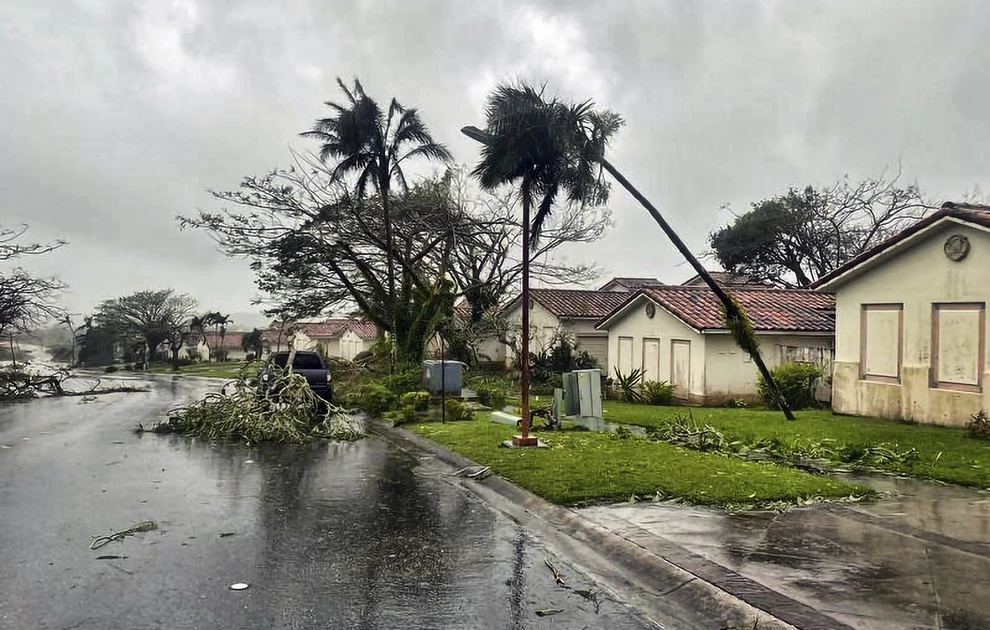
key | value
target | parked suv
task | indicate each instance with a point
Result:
(306, 363)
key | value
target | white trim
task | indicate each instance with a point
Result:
(890, 252)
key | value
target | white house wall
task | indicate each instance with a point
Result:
(665, 327)
(916, 278)
(731, 373)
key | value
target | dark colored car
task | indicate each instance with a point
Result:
(306, 363)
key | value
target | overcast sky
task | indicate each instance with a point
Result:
(117, 116)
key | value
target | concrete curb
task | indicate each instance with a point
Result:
(670, 579)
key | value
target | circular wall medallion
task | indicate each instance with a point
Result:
(956, 247)
(651, 310)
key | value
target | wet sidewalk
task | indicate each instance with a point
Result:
(918, 560)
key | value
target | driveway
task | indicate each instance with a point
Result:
(327, 535)
(919, 559)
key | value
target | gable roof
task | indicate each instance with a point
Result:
(331, 328)
(795, 310)
(727, 279)
(967, 213)
(575, 303)
(631, 283)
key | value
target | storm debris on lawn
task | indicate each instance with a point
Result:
(548, 612)
(286, 410)
(143, 526)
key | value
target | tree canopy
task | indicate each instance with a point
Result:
(795, 238)
(151, 318)
(26, 300)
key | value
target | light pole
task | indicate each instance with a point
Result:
(524, 438)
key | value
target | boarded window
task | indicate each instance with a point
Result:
(625, 355)
(958, 345)
(881, 338)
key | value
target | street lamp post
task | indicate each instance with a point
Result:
(524, 438)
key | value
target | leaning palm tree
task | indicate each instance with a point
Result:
(547, 148)
(587, 135)
(374, 146)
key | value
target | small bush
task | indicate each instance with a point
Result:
(796, 382)
(373, 397)
(628, 385)
(491, 396)
(406, 378)
(249, 357)
(418, 400)
(458, 411)
(735, 403)
(658, 392)
(110, 369)
(979, 426)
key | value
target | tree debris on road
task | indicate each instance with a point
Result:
(286, 410)
(143, 526)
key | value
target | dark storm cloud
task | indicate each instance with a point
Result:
(119, 115)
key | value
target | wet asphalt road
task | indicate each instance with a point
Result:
(327, 535)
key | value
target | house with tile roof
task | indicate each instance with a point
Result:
(630, 284)
(342, 338)
(727, 279)
(676, 334)
(911, 326)
(573, 312)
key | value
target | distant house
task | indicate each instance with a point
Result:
(911, 329)
(630, 284)
(728, 280)
(340, 338)
(229, 343)
(573, 312)
(676, 334)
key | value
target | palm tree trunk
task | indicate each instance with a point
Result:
(524, 363)
(730, 306)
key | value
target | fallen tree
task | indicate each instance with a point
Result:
(23, 384)
(286, 410)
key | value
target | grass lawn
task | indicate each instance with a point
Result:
(584, 467)
(229, 369)
(947, 454)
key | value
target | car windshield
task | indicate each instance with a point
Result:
(301, 362)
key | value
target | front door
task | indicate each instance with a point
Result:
(651, 360)
(680, 367)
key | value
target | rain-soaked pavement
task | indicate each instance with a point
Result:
(919, 560)
(326, 536)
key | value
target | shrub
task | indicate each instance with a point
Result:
(373, 397)
(628, 385)
(979, 426)
(491, 396)
(249, 357)
(796, 382)
(110, 369)
(418, 400)
(458, 411)
(406, 378)
(735, 403)
(193, 354)
(658, 392)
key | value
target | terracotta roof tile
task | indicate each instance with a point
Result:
(363, 328)
(970, 213)
(768, 309)
(633, 283)
(570, 303)
(727, 279)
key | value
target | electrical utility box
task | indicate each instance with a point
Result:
(583, 393)
(439, 376)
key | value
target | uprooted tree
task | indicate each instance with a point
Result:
(793, 239)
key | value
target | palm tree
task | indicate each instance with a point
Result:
(548, 148)
(198, 325)
(373, 145)
(253, 342)
(220, 330)
(586, 134)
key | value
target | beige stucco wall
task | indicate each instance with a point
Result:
(664, 327)
(731, 373)
(916, 277)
